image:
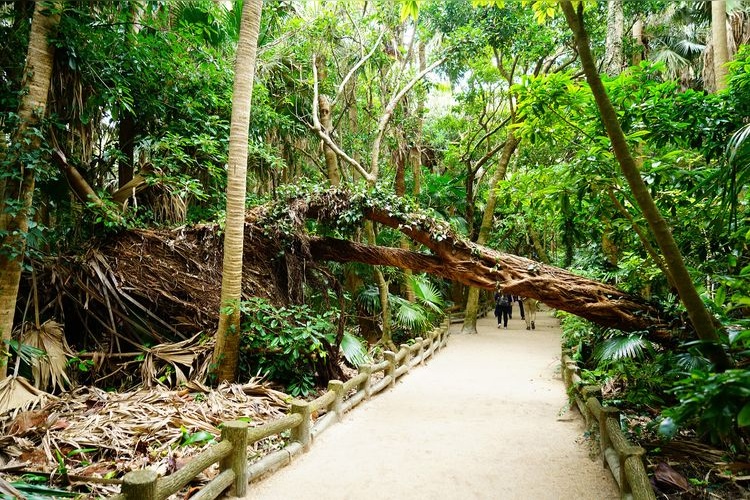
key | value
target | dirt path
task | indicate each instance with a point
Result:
(486, 418)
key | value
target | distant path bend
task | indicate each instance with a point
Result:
(485, 419)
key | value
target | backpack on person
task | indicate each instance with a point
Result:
(503, 301)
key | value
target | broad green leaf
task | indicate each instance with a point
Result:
(743, 417)
(721, 295)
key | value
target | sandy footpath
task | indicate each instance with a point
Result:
(485, 418)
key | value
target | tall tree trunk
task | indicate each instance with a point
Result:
(14, 220)
(332, 160)
(700, 317)
(538, 245)
(613, 55)
(472, 301)
(126, 131)
(226, 350)
(126, 138)
(638, 55)
(415, 152)
(719, 42)
(399, 184)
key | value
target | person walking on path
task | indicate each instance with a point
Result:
(502, 308)
(531, 308)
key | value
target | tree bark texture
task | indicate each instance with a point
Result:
(37, 77)
(226, 351)
(699, 316)
(613, 55)
(332, 160)
(719, 42)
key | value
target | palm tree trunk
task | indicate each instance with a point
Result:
(226, 350)
(696, 309)
(719, 41)
(15, 224)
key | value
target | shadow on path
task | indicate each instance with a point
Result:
(486, 418)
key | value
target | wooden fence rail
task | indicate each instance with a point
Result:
(625, 461)
(236, 436)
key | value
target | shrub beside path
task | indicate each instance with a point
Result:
(486, 418)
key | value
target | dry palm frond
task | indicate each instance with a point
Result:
(17, 392)
(118, 432)
(180, 356)
(49, 369)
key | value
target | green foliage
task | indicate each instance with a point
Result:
(32, 491)
(409, 319)
(717, 404)
(617, 348)
(188, 438)
(353, 348)
(283, 343)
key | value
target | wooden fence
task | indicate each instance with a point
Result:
(231, 452)
(625, 461)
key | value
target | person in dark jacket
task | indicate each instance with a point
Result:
(502, 308)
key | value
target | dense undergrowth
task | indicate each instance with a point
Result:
(675, 404)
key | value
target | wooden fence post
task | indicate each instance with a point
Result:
(302, 432)
(390, 356)
(407, 357)
(420, 353)
(365, 386)
(630, 451)
(140, 484)
(236, 433)
(337, 386)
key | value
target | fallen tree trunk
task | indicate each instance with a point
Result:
(164, 283)
(458, 259)
(484, 268)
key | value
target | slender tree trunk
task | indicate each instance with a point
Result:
(14, 221)
(332, 160)
(226, 350)
(719, 41)
(472, 301)
(613, 55)
(126, 138)
(638, 56)
(536, 241)
(415, 152)
(696, 309)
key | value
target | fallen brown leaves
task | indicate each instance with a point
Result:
(92, 433)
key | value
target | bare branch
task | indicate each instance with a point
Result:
(318, 128)
(389, 113)
(354, 69)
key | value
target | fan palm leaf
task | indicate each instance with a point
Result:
(353, 349)
(409, 314)
(427, 293)
(48, 370)
(631, 346)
